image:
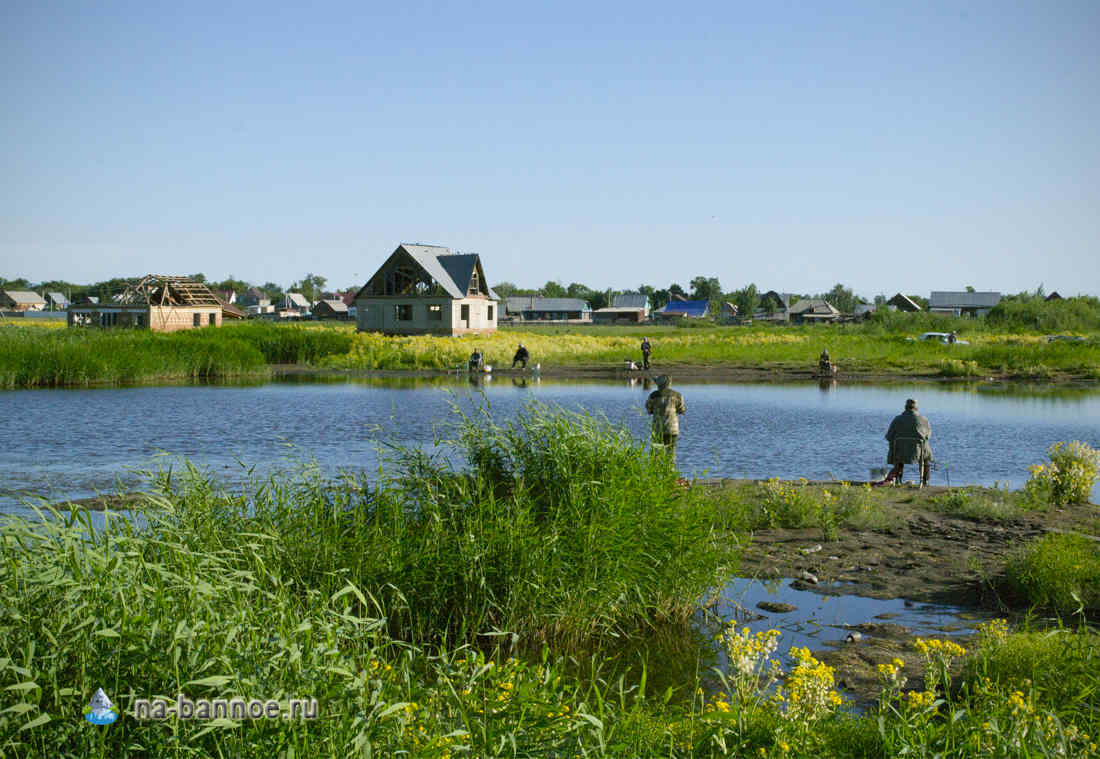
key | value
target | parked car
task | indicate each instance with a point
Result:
(943, 337)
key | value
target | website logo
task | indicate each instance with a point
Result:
(101, 711)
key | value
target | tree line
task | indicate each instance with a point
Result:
(312, 286)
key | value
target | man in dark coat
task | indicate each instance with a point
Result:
(666, 405)
(908, 436)
(646, 349)
(521, 356)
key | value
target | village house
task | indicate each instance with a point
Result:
(331, 309)
(682, 309)
(531, 308)
(158, 302)
(813, 311)
(903, 303)
(631, 308)
(294, 305)
(21, 300)
(426, 289)
(773, 306)
(962, 303)
(56, 301)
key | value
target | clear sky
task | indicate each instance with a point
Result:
(889, 146)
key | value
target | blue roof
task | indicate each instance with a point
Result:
(694, 308)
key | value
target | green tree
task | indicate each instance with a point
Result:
(505, 289)
(553, 290)
(706, 288)
(747, 299)
(311, 286)
(675, 289)
(842, 298)
(232, 283)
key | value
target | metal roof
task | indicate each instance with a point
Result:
(815, 306)
(57, 297)
(298, 300)
(336, 305)
(518, 303)
(948, 299)
(24, 297)
(630, 300)
(694, 308)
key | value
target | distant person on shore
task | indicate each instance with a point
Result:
(666, 405)
(522, 356)
(824, 363)
(646, 350)
(953, 337)
(908, 436)
(477, 361)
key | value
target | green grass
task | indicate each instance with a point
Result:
(43, 357)
(1058, 571)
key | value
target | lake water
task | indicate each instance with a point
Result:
(75, 443)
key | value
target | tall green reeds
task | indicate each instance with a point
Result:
(39, 357)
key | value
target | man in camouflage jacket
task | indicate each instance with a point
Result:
(666, 405)
(908, 436)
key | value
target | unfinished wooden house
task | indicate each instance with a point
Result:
(157, 302)
(427, 290)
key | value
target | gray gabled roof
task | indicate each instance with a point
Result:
(813, 306)
(24, 297)
(949, 299)
(630, 300)
(57, 298)
(520, 303)
(336, 305)
(452, 271)
(298, 300)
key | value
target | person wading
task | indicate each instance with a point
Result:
(908, 436)
(666, 405)
(522, 356)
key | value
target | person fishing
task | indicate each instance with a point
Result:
(477, 361)
(665, 405)
(824, 363)
(908, 436)
(522, 356)
(646, 350)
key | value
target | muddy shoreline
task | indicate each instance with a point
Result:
(680, 373)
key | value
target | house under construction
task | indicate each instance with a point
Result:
(158, 302)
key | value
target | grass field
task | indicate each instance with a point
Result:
(44, 357)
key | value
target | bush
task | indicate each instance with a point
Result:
(1061, 572)
(1068, 477)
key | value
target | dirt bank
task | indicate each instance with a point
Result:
(919, 554)
(684, 373)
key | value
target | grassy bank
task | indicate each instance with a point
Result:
(44, 357)
(33, 356)
(859, 348)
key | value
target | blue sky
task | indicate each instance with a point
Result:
(909, 146)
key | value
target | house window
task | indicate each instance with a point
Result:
(475, 288)
(212, 318)
(196, 320)
(464, 312)
(403, 312)
(489, 313)
(435, 313)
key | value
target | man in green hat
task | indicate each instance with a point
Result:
(666, 405)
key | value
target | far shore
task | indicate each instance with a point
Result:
(683, 373)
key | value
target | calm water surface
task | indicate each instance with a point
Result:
(75, 443)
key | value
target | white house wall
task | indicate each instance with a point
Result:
(380, 315)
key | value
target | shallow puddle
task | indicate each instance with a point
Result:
(819, 619)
